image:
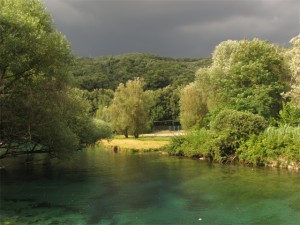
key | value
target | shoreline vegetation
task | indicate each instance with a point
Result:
(163, 142)
(151, 145)
(243, 107)
(242, 103)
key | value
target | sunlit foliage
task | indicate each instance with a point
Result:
(130, 108)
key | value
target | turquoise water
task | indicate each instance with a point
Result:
(101, 187)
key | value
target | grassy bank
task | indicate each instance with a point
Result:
(142, 144)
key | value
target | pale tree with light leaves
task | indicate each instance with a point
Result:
(130, 108)
(193, 106)
(293, 56)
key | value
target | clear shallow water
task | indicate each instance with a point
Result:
(100, 187)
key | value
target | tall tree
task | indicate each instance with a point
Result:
(130, 108)
(38, 110)
(192, 107)
(29, 45)
(166, 104)
(293, 56)
(247, 75)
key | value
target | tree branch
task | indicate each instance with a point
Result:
(16, 77)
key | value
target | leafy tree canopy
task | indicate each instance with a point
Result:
(245, 75)
(192, 107)
(293, 58)
(130, 108)
(39, 110)
(158, 72)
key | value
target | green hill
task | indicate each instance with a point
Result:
(108, 71)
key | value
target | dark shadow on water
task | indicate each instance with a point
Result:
(48, 205)
(16, 200)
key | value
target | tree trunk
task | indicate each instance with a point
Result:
(126, 134)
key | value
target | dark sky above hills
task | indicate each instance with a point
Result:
(177, 28)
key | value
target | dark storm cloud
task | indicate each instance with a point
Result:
(168, 27)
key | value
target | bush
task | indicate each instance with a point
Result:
(197, 143)
(273, 144)
(104, 129)
(91, 130)
(58, 138)
(289, 114)
(175, 147)
(229, 129)
(235, 127)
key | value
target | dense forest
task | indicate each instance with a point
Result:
(241, 104)
(108, 72)
(163, 77)
(54, 102)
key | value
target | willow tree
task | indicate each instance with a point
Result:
(246, 76)
(193, 106)
(39, 110)
(130, 108)
(293, 56)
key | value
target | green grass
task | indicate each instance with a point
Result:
(283, 131)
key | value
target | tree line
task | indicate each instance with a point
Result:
(158, 72)
(54, 102)
(243, 103)
(244, 106)
(161, 77)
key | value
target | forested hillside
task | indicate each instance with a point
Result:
(164, 77)
(108, 72)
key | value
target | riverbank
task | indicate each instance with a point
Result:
(182, 146)
(146, 143)
(274, 147)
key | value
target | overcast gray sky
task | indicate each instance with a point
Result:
(177, 28)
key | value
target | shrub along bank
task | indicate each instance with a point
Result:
(241, 136)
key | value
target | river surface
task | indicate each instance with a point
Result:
(102, 187)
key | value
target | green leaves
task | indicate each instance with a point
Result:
(245, 75)
(238, 125)
(242, 89)
(289, 115)
(29, 45)
(276, 146)
(193, 107)
(38, 108)
(293, 58)
(158, 72)
(130, 108)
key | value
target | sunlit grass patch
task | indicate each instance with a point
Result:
(152, 138)
(139, 144)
